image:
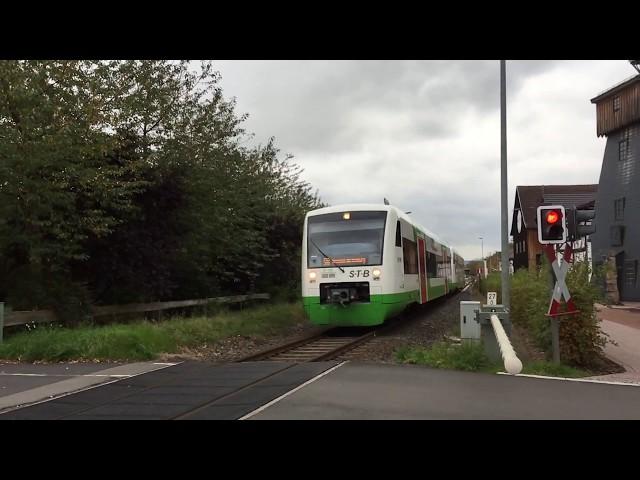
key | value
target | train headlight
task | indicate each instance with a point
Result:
(312, 275)
(376, 273)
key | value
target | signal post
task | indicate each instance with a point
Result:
(557, 226)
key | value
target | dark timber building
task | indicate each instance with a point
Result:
(617, 237)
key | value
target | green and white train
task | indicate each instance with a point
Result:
(364, 263)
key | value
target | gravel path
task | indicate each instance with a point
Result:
(234, 348)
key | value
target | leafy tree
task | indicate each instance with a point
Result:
(125, 181)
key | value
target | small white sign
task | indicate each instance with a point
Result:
(492, 298)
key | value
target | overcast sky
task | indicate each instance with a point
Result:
(426, 134)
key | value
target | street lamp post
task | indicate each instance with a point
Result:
(484, 268)
(503, 187)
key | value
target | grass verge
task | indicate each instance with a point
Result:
(470, 357)
(145, 340)
(551, 369)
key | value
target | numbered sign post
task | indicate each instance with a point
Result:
(492, 298)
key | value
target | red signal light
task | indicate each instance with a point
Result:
(552, 216)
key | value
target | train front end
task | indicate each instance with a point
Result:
(344, 274)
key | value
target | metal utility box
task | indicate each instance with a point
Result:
(469, 326)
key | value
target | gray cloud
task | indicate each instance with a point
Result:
(426, 133)
(327, 105)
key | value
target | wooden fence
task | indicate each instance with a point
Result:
(43, 316)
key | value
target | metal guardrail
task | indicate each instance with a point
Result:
(43, 316)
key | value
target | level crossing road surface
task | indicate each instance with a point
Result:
(334, 390)
(190, 390)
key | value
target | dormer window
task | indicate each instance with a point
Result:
(616, 103)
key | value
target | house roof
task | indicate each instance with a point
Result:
(530, 197)
(616, 88)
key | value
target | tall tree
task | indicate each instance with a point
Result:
(129, 177)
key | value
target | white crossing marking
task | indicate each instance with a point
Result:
(569, 379)
(258, 410)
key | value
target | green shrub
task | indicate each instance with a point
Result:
(530, 294)
(491, 284)
(581, 339)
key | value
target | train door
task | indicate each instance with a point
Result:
(422, 269)
(454, 272)
(446, 270)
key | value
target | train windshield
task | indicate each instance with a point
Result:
(348, 238)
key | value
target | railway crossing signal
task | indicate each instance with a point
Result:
(557, 226)
(577, 223)
(560, 288)
(552, 224)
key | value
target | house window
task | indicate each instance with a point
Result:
(623, 150)
(630, 272)
(618, 206)
(617, 235)
(616, 103)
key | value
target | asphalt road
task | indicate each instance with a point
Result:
(323, 390)
(368, 391)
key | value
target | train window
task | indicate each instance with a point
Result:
(398, 234)
(410, 254)
(432, 265)
(337, 239)
(441, 266)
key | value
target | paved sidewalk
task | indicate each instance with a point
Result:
(623, 326)
(630, 306)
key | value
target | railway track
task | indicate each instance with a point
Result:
(330, 343)
(325, 345)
